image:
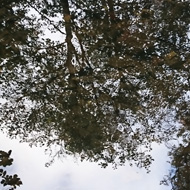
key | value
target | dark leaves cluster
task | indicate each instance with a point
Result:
(5, 179)
(178, 177)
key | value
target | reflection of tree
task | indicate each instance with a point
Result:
(104, 91)
(8, 180)
(179, 176)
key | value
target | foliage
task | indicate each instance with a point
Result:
(8, 180)
(178, 177)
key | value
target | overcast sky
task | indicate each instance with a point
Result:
(29, 164)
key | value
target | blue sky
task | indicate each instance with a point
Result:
(69, 174)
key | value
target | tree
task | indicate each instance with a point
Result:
(112, 84)
(179, 154)
(178, 176)
(8, 180)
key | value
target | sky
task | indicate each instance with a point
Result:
(70, 174)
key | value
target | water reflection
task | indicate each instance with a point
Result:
(117, 81)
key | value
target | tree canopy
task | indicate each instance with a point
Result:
(101, 79)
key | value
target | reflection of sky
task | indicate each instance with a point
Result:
(29, 164)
